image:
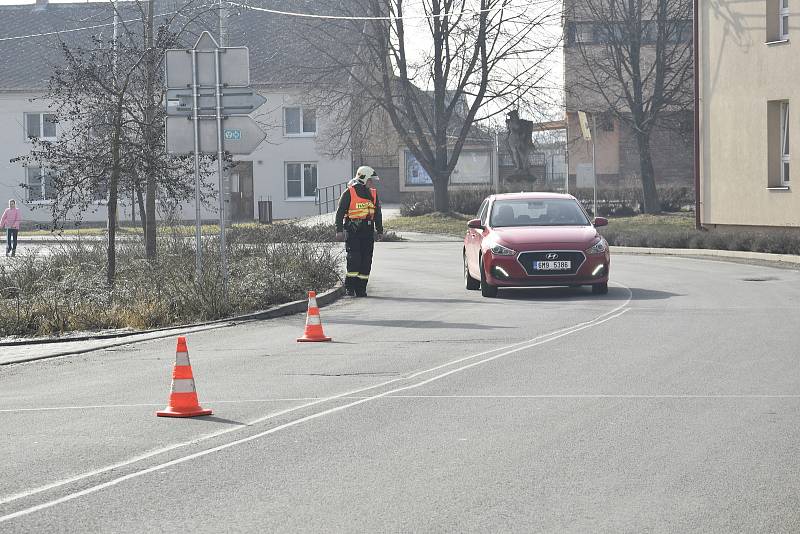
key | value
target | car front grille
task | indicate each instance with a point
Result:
(576, 258)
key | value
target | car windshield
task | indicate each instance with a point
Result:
(539, 212)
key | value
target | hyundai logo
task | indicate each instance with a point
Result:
(552, 256)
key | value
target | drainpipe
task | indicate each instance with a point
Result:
(698, 223)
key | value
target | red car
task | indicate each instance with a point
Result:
(534, 239)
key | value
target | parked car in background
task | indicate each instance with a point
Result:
(534, 239)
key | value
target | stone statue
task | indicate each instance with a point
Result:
(520, 143)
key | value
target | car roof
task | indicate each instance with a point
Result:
(530, 195)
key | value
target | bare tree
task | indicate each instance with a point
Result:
(105, 97)
(635, 60)
(435, 70)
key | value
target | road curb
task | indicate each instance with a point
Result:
(289, 308)
(711, 253)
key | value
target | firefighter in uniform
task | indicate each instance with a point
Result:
(357, 220)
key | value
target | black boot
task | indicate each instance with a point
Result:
(350, 286)
(361, 288)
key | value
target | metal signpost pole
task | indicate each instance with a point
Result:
(196, 123)
(220, 168)
(497, 156)
(594, 165)
(236, 133)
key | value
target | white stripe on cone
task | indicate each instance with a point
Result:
(183, 385)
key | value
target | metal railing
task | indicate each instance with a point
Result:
(327, 198)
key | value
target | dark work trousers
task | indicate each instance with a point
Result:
(11, 240)
(359, 244)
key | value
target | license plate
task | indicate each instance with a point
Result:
(552, 265)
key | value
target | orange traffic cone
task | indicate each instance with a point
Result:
(313, 322)
(183, 397)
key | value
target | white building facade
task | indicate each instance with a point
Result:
(286, 169)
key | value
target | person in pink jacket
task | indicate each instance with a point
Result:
(10, 221)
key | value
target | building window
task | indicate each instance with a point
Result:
(785, 143)
(783, 21)
(778, 143)
(301, 180)
(40, 125)
(40, 184)
(576, 33)
(777, 20)
(584, 33)
(300, 121)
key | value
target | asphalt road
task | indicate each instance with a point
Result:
(669, 405)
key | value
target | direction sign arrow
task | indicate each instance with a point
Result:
(241, 135)
(235, 101)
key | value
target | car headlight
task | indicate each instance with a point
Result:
(598, 248)
(499, 250)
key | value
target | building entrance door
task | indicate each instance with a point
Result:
(242, 202)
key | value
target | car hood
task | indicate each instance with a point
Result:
(536, 237)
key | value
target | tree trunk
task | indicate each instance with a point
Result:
(650, 193)
(113, 185)
(142, 214)
(150, 214)
(441, 196)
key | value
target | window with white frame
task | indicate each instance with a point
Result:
(300, 121)
(40, 125)
(301, 180)
(785, 143)
(39, 184)
(783, 22)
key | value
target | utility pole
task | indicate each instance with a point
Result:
(223, 23)
(497, 160)
(594, 164)
(150, 149)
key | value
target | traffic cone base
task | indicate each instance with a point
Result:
(313, 330)
(183, 396)
(170, 412)
(305, 339)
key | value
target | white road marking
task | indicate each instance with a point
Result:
(100, 406)
(597, 396)
(508, 349)
(540, 396)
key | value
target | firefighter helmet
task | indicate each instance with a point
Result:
(364, 173)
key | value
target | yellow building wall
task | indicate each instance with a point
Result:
(739, 74)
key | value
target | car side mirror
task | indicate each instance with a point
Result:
(600, 221)
(475, 223)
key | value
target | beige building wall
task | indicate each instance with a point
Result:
(606, 146)
(744, 66)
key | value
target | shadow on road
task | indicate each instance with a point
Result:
(414, 324)
(581, 294)
(651, 294)
(215, 419)
(421, 299)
